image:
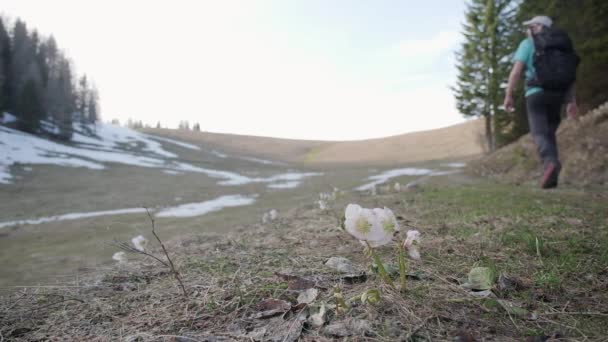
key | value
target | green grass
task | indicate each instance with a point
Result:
(553, 242)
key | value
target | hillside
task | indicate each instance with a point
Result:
(583, 147)
(452, 142)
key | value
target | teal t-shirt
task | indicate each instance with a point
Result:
(525, 54)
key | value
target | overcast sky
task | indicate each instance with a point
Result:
(305, 69)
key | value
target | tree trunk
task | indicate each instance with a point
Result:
(489, 134)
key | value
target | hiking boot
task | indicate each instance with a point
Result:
(550, 176)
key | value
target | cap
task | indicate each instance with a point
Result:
(541, 19)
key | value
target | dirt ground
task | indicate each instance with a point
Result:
(545, 250)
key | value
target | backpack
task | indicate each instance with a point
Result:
(555, 60)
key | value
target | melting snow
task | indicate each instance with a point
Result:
(90, 152)
(385, 176)
(202, 208)
(218, 154)
(72, 216)
(455, 165)
(7, 118)
(286, 185)
(185, 210)
(174, 142)
(409, 171)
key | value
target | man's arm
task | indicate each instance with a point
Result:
(515, 75)
(571, 107)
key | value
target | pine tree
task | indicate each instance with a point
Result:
(82, 99)
(483, 63)
(5, 70)
(29, 107)
(66, 101)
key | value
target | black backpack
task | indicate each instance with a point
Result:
(555, 60)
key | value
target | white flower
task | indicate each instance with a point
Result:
(322, 205)
(411, 244)
(121, 257)
(375, 227)
(397, 187)
(139, 242)
(270, 216)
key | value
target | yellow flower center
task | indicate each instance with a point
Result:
(389, 227)
(363, 226)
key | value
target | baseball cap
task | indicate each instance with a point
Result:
(540, 19)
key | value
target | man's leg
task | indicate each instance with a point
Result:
(554, 118)
(543, 127)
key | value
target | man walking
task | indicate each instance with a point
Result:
(549, 62)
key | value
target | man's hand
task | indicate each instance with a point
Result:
(508, 103)
(572, 110)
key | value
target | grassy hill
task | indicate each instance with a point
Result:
(455, 142)
(583, 147)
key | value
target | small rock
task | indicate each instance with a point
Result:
(358, 327)
(341, 265)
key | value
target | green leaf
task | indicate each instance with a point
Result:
(480, 278)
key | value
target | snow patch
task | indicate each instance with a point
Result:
(455, 165)
(286, 185)
(72, 216)
(174, 142)
(8, 118)
(385, 176)
(202, 208)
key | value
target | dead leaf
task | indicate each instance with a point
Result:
(271, 307)
(356, 327)
(308, 297)
(512, 308)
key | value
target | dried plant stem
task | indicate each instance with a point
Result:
(381, 270)
(402, 268)
(171, 265)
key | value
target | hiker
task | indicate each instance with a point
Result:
(548, 59)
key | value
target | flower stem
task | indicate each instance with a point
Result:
(402, 268)
(381, 270)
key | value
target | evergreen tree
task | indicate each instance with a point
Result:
(66, 101)
(29, 107)
(5, 70)
(93, 106)
(483, 64)
(82, 99)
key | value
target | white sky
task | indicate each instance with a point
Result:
(306, 69)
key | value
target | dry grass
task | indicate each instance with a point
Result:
(452, 142)
(564, 280)
(583, 147)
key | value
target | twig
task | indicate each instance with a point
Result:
(131, 249)
(175, 337)
(417, 328)
(573, 313)
(55, 303)
(175, 272)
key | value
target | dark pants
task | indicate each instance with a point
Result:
(544, 116)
